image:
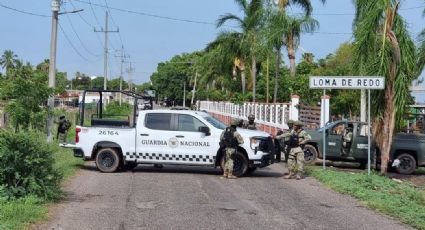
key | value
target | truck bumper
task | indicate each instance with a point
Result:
(265, 161)
(78, 152)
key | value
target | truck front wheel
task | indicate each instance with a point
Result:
(407, 164)
(240, 164)
(107, 160)
(310, 154)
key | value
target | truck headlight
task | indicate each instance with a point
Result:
(254, 143)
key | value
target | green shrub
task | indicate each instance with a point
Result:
(26, 166)
(114, 108)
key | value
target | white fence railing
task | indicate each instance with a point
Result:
(274, 115)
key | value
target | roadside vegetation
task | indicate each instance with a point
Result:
(400, 200)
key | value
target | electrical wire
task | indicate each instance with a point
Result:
(113, 21)
(79, 39)
(72, 45)
(89, 24)
(24, 12)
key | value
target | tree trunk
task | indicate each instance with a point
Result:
(243, 76)
(254, 76)
(390, 112)
(291, 56)
(277, 75)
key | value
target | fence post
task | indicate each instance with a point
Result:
(293, 109)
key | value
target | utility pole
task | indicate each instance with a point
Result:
(122, 56)
(130, 71)
(105, 61)
(52, 68)
(194, 89)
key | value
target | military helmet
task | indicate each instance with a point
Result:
(251, 117)
(235, 122)
(290, 122)
(298, 123)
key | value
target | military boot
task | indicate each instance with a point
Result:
(232, 177)
(289, 176)
(225, 174)
(299, 176)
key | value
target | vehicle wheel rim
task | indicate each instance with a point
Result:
(406, 164)
(308, 155)
(107, 159)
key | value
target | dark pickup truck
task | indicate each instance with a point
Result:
(407, 150)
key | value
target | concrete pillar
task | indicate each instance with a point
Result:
(324, 111)
(293, 109)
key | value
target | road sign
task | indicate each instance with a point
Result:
(346, 82)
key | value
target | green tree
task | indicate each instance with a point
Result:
(250, 25)
(227, 53)
(8, 60)
(383, 47)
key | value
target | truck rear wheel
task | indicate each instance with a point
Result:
(107, 160)
(407, 164)
(310, 154)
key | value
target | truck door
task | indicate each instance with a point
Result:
(154, 139)
(360, 144)
(195, 146)
(334, 140)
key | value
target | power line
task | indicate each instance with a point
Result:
(24, 12)
(148, 14)
(89, 24)
(72, 45)
(94, 14)
(79, 39)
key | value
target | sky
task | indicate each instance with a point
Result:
(151, 34)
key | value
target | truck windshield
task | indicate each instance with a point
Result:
(327, 126)
(214, 122)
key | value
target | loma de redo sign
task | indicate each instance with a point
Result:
(346, 82)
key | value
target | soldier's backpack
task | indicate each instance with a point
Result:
(229, 140)
(66, 124)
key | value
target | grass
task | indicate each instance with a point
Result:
(17, 214)
(399, 200)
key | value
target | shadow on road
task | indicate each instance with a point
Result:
(265, 172)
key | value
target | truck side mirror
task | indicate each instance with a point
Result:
(204, 129)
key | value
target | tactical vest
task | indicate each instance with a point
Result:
(294, 140)
(229, 139)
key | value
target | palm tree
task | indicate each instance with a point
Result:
(292, 35)
(8, 60)
(304, 4)
(232, 52)
(249, 24)
(273, 34)
(383, 47)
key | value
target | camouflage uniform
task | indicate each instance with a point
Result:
(228, 165)
(296, 154)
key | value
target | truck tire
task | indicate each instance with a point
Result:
(310, 154)
(251, 170)
(407, 164)
(107, 160)
(240, 164)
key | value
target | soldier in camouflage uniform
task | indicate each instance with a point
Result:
(298, 137)
(230, 139)
(283, 142)
(251, 124)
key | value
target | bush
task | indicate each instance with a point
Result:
(26, 166)
(114, 108)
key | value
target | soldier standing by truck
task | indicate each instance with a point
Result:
(230, 139)
(297, 138)
(283, 142)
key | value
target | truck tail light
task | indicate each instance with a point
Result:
(77, 137)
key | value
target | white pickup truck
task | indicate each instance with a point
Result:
(178, 137)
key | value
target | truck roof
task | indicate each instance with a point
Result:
(191, 112)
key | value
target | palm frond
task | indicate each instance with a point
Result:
(228, 17)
